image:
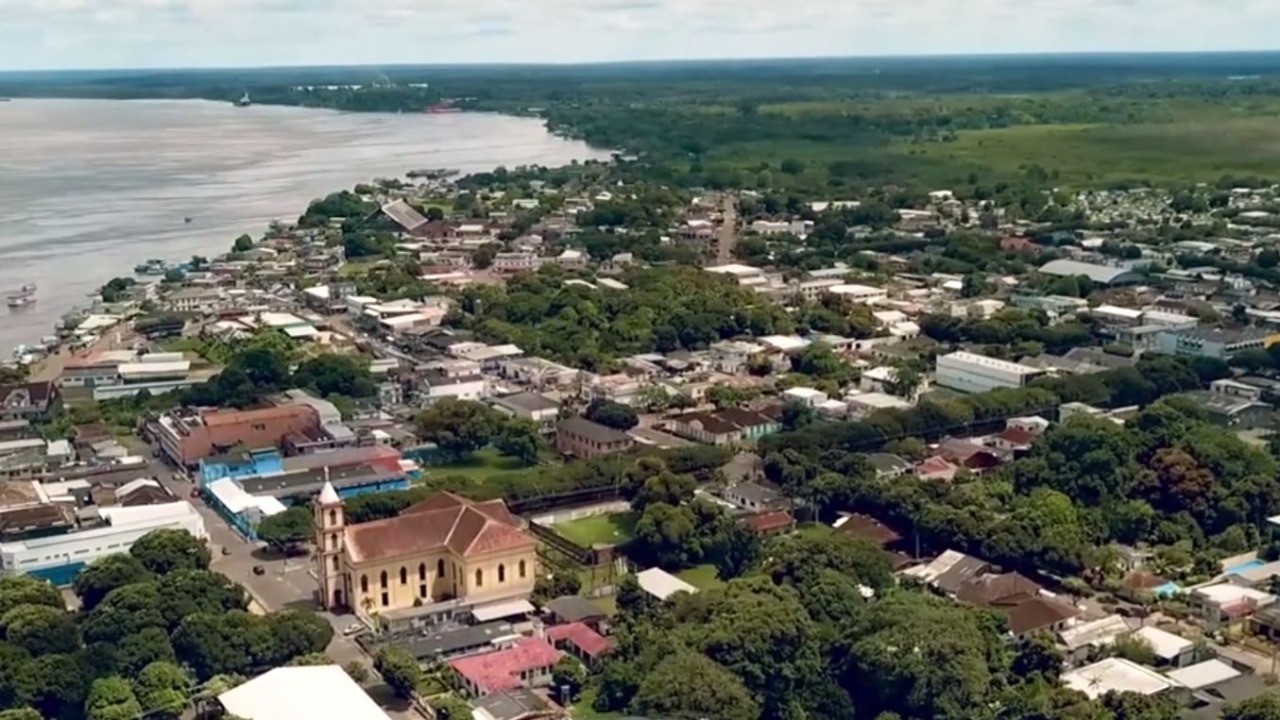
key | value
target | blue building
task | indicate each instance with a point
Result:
(240, 465)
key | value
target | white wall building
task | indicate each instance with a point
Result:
(59, 558)
(970, 372)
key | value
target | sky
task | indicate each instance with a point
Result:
(65, 34)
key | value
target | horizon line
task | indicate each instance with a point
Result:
(1003, 55)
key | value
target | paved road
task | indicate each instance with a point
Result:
(727, 238)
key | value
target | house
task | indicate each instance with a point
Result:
(867, 528)
(537, 408)
(771, 522)
(1225, 604)
(1012, 440)
(723, 427)
(754, 497)
(967, 455)
(583, 438)
(526, 664)
(442, 548)
(888, 465)
(1117, 675)
(1080, 640)
(27, 401)
(1220, 343)
(948, 572)
(579, 640)
(576, 609)
(440, 386)
(937, 468)
(1231, 410)
(1170, 650)
(1039, 614)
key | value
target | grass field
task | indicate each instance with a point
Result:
(614, 529)
(483, 466)
(703, 577)
(1095, 155)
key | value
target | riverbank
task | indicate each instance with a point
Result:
(94, 187)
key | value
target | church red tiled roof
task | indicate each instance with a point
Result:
(441, 521)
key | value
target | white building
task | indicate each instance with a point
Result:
(301, 693)
(59, 558)
(1116, 675)
(970, 372)
(859, 293)
(662, 584)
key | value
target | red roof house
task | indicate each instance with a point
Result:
(578, 639)
(526, 664)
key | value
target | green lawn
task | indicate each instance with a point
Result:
(483, 465)
(703, 577)
(813, 531)
(614, 529)
(1184, 151)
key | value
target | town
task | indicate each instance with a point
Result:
(546, 443)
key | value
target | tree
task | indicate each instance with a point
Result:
(55, 685)
(187, 592)
(519, 439)
(664, 487)
(1262, 707)
(435, 213)
(333, 374)
(906, 381)
(137, 651)
(451, 707)
(667, 536)
(612, 414)
(41, 630)
(123, 612)
(111, 698)
(1039, 656)
(398, 668)
(568, 676)
(164, 689)
(1268, 258)
(691, 685)
(734, 549)
(18, 590)
(356, 670)
(244, 243)
(458, 427)
(796, 415)
(115, 288)
(22, 713)
(106, 574)
(163, 551)
(287, 530)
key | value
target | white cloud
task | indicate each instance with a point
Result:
(114, 33)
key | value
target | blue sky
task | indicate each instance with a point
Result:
(209, 33)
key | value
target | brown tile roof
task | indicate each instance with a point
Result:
(1038, 614)
(1005, 589)
(441, 521)
(869, 528)
(768, 521)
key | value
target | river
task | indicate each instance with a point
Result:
(90, 188)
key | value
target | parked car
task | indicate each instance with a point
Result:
(259, 570)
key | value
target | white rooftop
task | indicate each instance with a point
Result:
(662, 584)
(1202, 675)
(1096, 633)
(1165, 644)
(1226, 593)
(301, 693)
(784, 342)
(736, 269)
(1116, 674)
(236, 500)
(995, 363)
(279, 320)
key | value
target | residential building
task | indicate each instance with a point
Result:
(948, 572)
(1230, 410)
(1083, 639)
(27, 401)
(583, 438)
(1224, 604)
(439, 386)
(188, 436)
(1170, 650)
(723, 427)
(526, 664)
(579, 640)
(514, 262)
(754, 497)
(1117, 675)
(888, 465)
(970, 372)
(445, 548)
(195, 299)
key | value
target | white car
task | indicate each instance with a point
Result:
(352, 629)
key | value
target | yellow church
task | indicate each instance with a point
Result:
(443, 548)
